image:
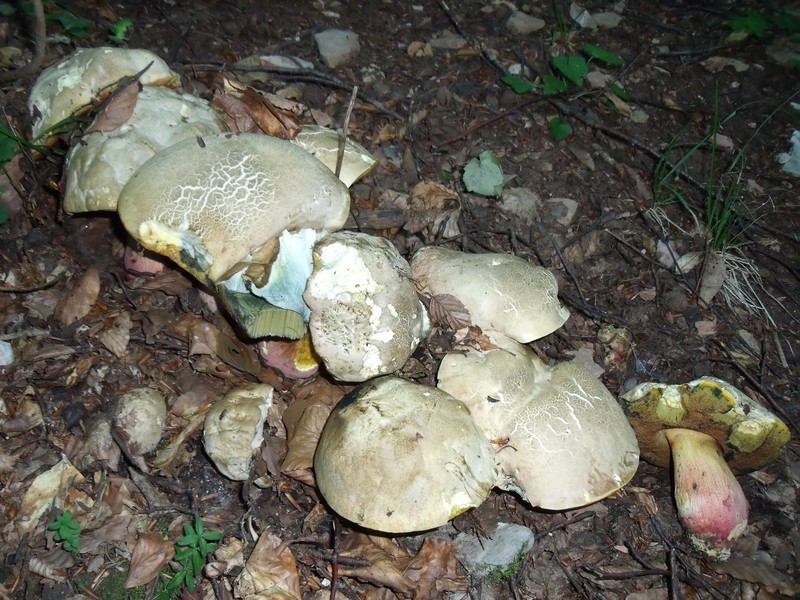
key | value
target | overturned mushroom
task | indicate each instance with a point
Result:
(708, 430)
(323, 144)
(102, 162)
(366, 318)
(397, 456)
(234, 429)
(563, 439)
(218, 206)
(502, 292)
(70, 86)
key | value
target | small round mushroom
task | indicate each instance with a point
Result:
(99, 166)
(217, 205)
(323, 144)
(563, 439)
(502, 292)
(70, 86)
(140, 418)
(708, 430)
(397, 456)
(366, 317)
(234, 429)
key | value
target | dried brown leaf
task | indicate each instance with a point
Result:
(249, 111)
(434, 570)
(171, 282)
(304, 435)
(270, 572)
(204, 338)
(116, 337)
(150, 555)
(432, 195)
(118, 109)
(446, 309)
(77, 303)
(386, 559)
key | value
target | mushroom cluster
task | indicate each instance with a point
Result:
(708, 431)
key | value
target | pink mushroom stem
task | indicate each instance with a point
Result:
(710, 502)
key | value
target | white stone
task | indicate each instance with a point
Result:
(337, 47)
(498, 552)
(520, 23)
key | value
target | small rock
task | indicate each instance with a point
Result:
(522, 203)
(337, 47)
(496, 554)
(6, 354)
(447, 41)
(520, 23)
(563, 210)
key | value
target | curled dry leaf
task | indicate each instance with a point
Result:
(204, 338)
(270, 572)
(246, 110)
(116, 337)
(150, 555)
(77, 303)
(448, 310)
(117, 109)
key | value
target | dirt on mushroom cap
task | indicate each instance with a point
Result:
(750, 436)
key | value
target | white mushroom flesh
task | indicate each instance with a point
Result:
(366, 317)
(140, 418)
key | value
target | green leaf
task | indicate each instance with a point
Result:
(559, 129)
(603, 55)
(573, 67)
(184, 554)
(518, 84)
(786, 21)
(753, 23)
(484, 175)
(203, 547)
(553, 85)
(212, 536)
(189, 539)
(3, 212)
(197, 563)
(72, 25)
(119, 31)
(7, 9)
(198, 525)
(619, 92)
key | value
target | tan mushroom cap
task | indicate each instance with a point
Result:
(366, 318)
(397, 456)
(750, 436)
(102, 163)
(563, 439)
(502, 292)
(214, 202)
(323, 144)
(71, 85)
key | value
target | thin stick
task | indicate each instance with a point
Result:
(345, 126)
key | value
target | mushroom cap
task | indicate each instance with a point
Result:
(71, 85)
(397, 456)
(234, 429)
(750, 436)
(213, 202)
(564, 440)
(323, 144)
(140, 417)
(366, 317)
(502, 292)
(99, 166)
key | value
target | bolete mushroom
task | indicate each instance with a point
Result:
(218, 205)
(234, 429)
(397, 456)
(70, 86)
(102, 162)
(502, 292)
(563, 440)
(708, 430)
(366, 317)
(323, 144)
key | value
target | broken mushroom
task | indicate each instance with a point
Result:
(708, 430)
(323, 144)
(397, 456)
(366, 317)
(70, 86)
(502, 292)
(234, 429)
(139, 420)
(102, 162)
(563, 440)
(218, 205)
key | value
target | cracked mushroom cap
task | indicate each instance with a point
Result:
(234, 429)
(70, 86)
(502, 292)
(211, 203)
(749, 435)
(563, 439)
(140, 418)
(366, 317)
(397, 456)
(101, 164)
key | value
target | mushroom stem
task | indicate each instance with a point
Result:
(710, 502)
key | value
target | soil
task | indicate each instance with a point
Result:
(424, 114)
